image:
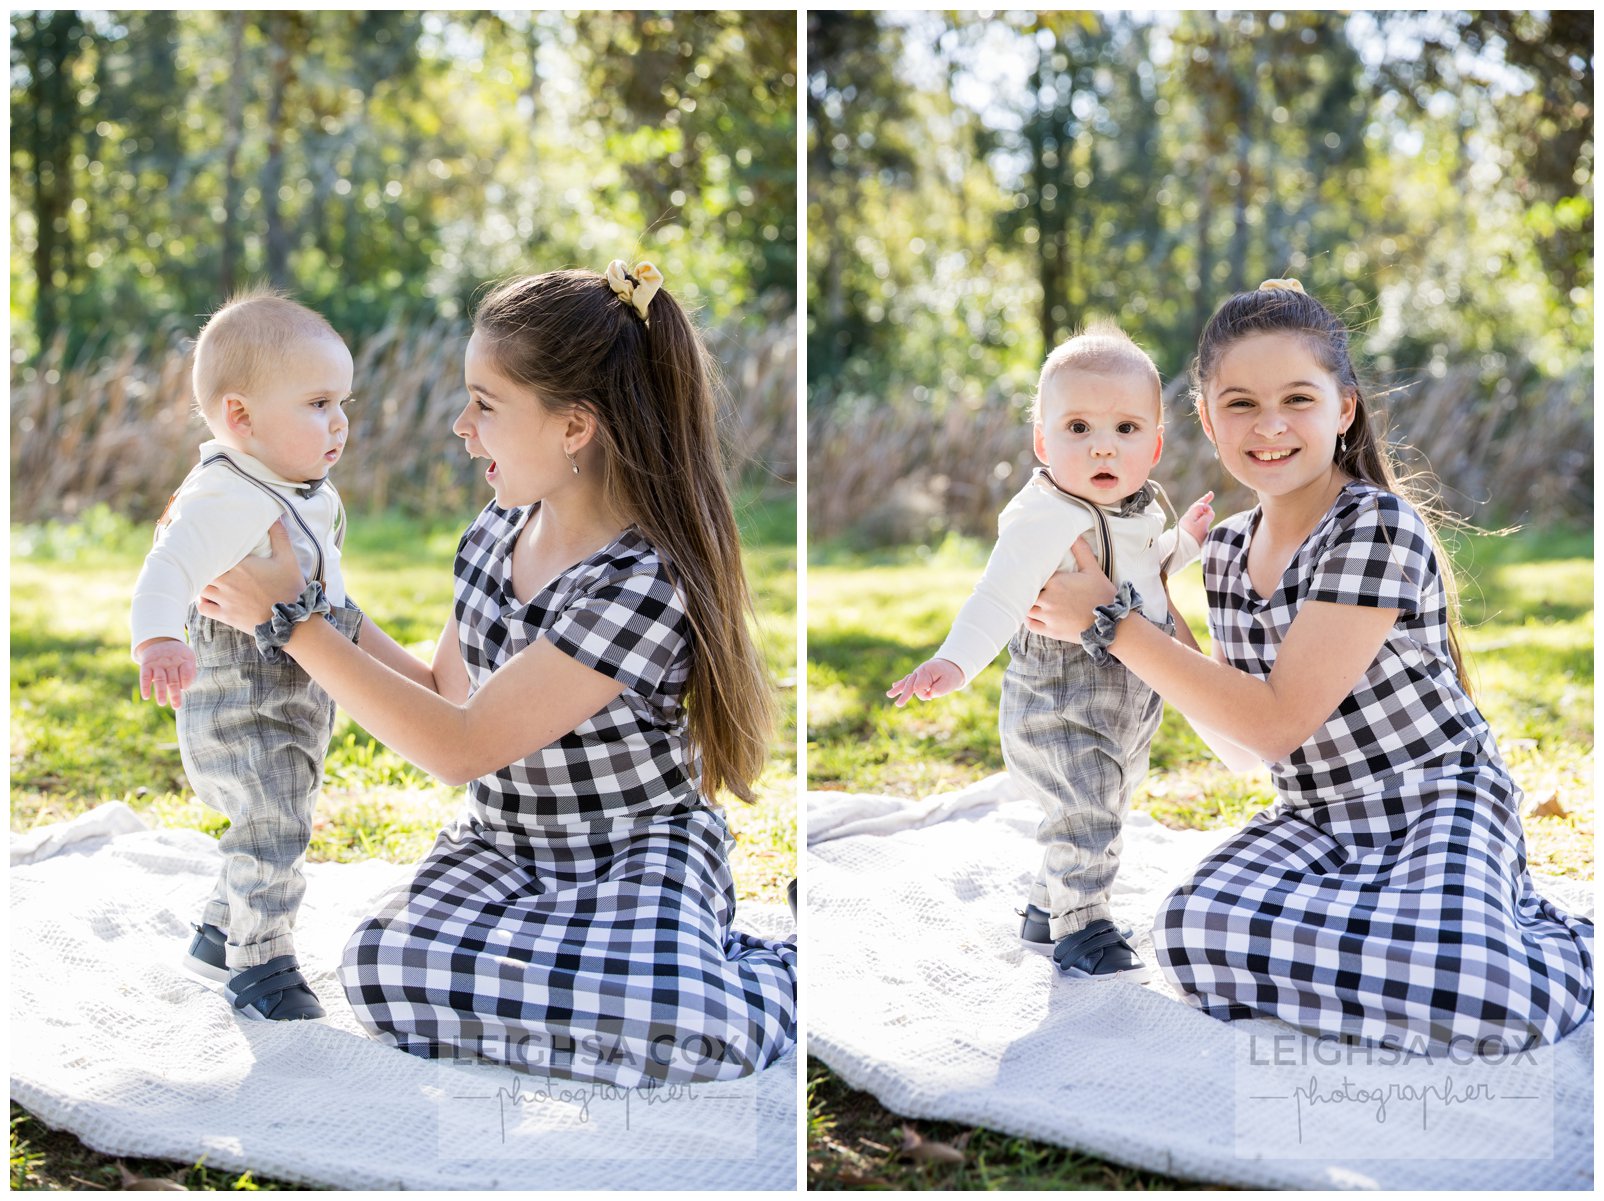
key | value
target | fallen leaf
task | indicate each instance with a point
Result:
(1551, 807)
(160, 1183)
(916, 1147)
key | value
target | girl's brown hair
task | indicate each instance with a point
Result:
(649, 386)
(1367, 456)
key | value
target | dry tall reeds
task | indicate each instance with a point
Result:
(117, 427)
(896, 473)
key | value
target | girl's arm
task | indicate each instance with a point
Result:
(1324, 654)
(539, 695)
(1234, 755)
(445, 675)
(1237, 758)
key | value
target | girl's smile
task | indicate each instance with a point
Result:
(1275, 414)
(505, 423)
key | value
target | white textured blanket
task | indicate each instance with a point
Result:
(922, 995)
(111, 1041)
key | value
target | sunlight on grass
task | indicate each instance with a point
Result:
(873, 617)
(80, 735)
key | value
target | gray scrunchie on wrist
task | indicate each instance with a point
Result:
(1097, 636)
(276, 630)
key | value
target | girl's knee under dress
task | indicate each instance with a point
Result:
(577, 920)
(1386, 896)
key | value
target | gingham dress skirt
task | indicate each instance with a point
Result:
(1386, 897)
(577, 922)
(607, 959)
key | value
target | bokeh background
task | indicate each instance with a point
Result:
(980, 185)
(382, 166)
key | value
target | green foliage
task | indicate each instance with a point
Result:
(981, 183)
(162, 160)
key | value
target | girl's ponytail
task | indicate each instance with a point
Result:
(581, 340)
(690, 519)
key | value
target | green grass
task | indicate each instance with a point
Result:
(874, 616)
(81, 736)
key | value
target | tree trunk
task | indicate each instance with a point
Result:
(55, 117)
(278, 247)
(1202, 299)
(230, 231)
(1048, 259)
(1244, 187)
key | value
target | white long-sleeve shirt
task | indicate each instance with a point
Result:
(1034, 534)
(215, 519)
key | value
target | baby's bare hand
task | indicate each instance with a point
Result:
(166, 668)
(932, 678)
(1199, 517)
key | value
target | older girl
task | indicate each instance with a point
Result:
(595, 686)
(1386, 896)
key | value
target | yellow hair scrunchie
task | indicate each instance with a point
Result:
(635, 288)
(1282, 285)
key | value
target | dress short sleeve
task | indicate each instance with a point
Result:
(1379, 556)
(629, 625)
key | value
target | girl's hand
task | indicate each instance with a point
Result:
(244, 596)
(1196, 520)
(932, 678)
(1064, 608)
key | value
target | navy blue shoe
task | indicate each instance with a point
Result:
(1035, 930)
(274, 991)
(207, 957)
(1099, 953)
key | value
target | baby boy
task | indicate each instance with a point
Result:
(271, 381)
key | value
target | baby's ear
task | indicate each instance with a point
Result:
(236, 415)
(1038, 441)
(1159, 449)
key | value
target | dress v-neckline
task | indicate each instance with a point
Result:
(1254, 596)
(511, 603)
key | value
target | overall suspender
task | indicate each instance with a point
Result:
(1105, 547)
(1105, 541)
(338, 530)
(1171, 520)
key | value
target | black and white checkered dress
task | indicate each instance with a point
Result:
(576, 921)
(1385, 897)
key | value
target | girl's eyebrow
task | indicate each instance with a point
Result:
(1297, 383)
(483, 391)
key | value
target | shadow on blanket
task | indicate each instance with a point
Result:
(113, 1043)
(941, 1014)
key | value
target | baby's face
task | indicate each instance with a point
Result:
(1099, 435)
(296, 423)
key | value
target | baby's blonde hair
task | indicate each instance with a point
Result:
(246, 340)
(1103, 349)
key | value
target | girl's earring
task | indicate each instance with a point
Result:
(574, 463)
(1342, 444)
